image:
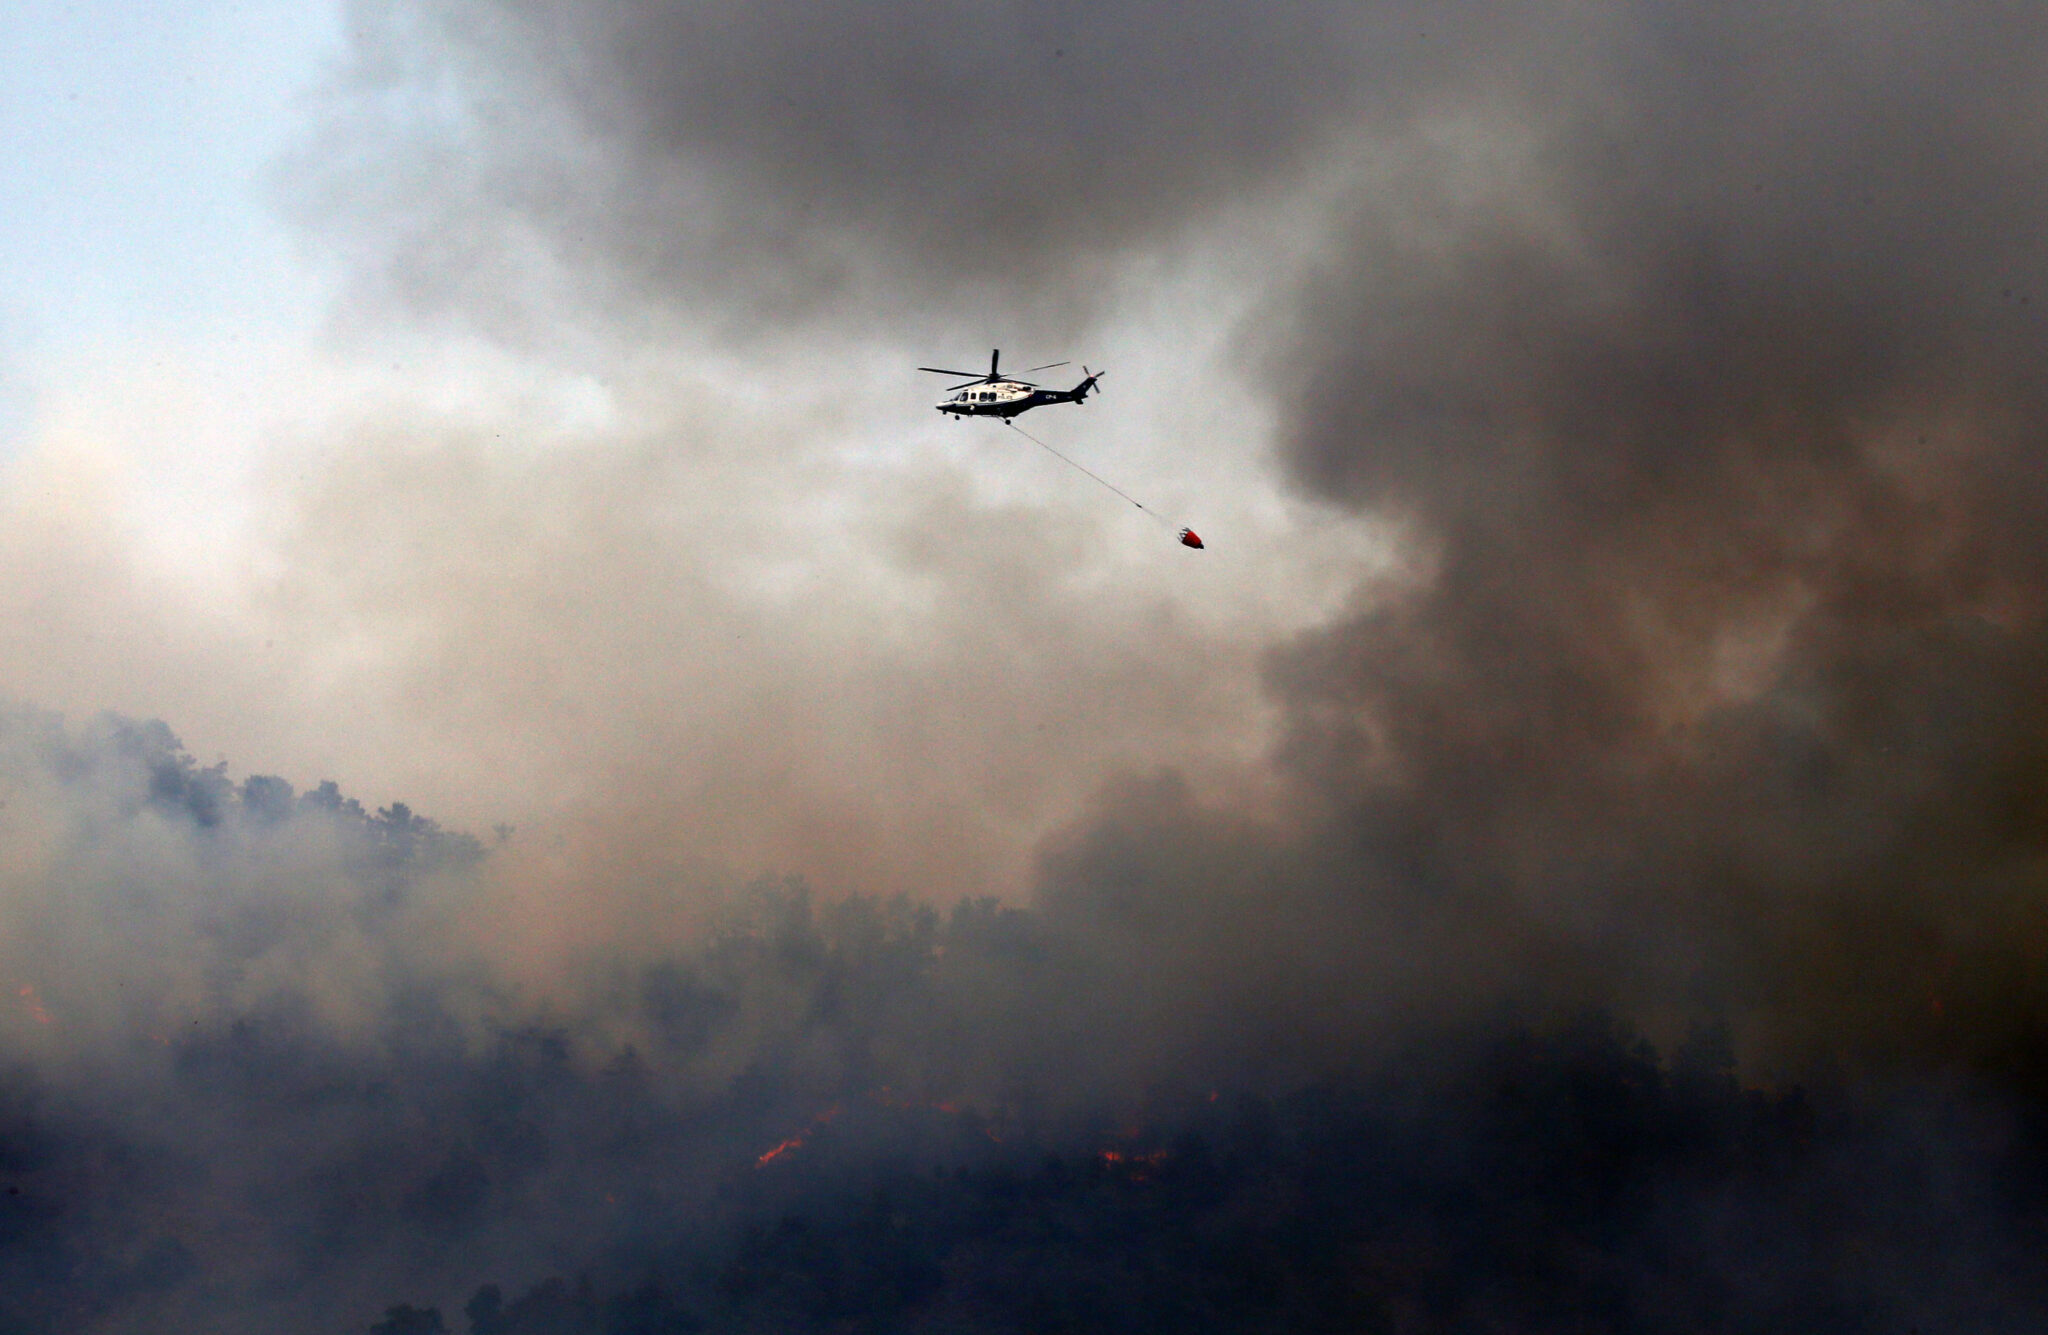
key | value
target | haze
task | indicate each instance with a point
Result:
(1617, 434)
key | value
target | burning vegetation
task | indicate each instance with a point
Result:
(1562, 1182)
(970, 1153)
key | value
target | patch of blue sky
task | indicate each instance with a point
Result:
(137, 151)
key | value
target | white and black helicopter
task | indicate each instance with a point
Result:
(1005, 396)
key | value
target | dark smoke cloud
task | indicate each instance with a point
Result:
(1694, 352)
(845, 162)
(864, 1112)
(1721, 425)
(962, 137)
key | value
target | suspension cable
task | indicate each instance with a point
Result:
(1098, 477)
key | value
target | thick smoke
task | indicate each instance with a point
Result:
(1721, 424)
(321, 1105)
(855, 163)
(1690, 352)
(1693, 352)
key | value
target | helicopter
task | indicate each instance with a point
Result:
(1005, 396)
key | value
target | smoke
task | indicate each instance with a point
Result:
(310, 1098)
(1719, 420)
(1685, 358)
(738, 168)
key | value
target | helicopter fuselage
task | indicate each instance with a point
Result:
(1006, 398)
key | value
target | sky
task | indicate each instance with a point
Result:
(1616, 432)
(138, 148)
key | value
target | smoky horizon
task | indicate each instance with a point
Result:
(570, 799)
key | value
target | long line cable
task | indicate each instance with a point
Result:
(1098, 477)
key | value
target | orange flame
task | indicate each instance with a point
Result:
(884, 1097)
(796, 1142)
(793, 1143)
(1138, 1167)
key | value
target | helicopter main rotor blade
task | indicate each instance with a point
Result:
(940, 370)
(1047, 367)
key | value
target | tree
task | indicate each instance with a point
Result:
(405, 1319)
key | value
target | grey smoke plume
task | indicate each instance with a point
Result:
(848, 161)
(1722, 429)
(310, 1100)
(1692, 352)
